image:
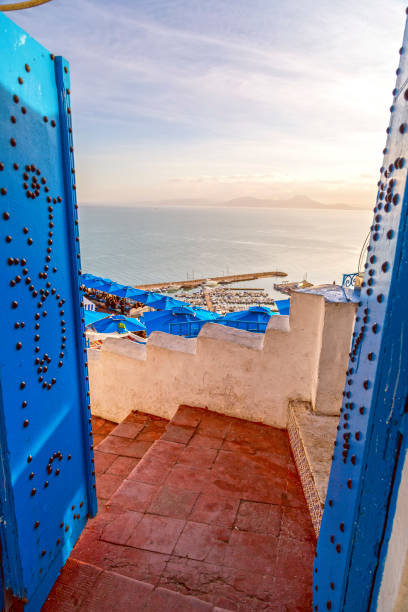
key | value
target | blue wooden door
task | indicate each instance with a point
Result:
(48, 486)
(371, 443)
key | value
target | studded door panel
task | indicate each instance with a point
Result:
(371, 441)
(45, 434)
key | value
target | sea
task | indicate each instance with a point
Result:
(138, 245)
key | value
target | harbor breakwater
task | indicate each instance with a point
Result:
(192, 283)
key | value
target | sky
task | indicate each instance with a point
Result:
(219, 99)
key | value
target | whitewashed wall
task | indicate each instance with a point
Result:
(251, 376)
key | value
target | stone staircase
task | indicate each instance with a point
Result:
(206, 512)
(118, 454)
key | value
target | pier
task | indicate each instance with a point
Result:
(287, 288)
(192, 283)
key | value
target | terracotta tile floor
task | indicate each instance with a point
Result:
(101, 428)
(118, 449)
(211, 517)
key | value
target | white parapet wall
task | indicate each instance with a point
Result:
(234, 372)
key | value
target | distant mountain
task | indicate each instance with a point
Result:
(294, 202)
(303, 202)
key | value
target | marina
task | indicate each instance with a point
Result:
(223, 300)
(211, 293)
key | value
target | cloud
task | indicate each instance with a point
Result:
(224, 88)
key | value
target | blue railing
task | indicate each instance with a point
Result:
(349, 280)
(257, 327)
(192, 328)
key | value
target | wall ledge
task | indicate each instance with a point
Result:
(279, 323)
(240, 337)
(127, 348)
(93, 354)
(172, 342)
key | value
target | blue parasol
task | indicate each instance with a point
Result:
(118, 323)
(91, 316)
(93, 283)
(166, 303)
(182, 321)
(128, 292)
(148, 297)
(107, 287)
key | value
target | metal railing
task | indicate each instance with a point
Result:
(192, 329)
(349, 280)
(257, 327)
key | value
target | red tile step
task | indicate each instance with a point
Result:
(119, 448)
(101, 428)
(213, 511)
(86, 588)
